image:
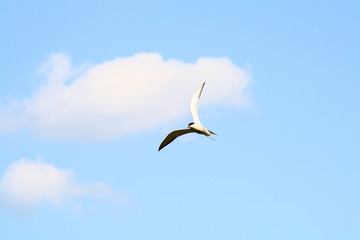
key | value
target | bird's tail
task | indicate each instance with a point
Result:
(211, 137)
(212, 132)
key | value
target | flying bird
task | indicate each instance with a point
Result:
(193, 127)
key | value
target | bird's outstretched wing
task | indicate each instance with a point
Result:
(194, 104)
(173, 135)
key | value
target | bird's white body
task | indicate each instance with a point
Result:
(201, 128)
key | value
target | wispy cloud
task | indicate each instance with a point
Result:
(121, 96)
(26, 184)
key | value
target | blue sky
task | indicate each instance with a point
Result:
(90, 89)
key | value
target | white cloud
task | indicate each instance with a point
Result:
(122, 96)
(26, 184)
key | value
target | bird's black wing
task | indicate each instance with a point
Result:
(173, 135)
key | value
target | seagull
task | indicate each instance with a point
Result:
(193, 127)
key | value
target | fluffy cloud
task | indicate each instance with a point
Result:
(26, 184)
(122, 96)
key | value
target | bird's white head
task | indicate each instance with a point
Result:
(190, 124)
